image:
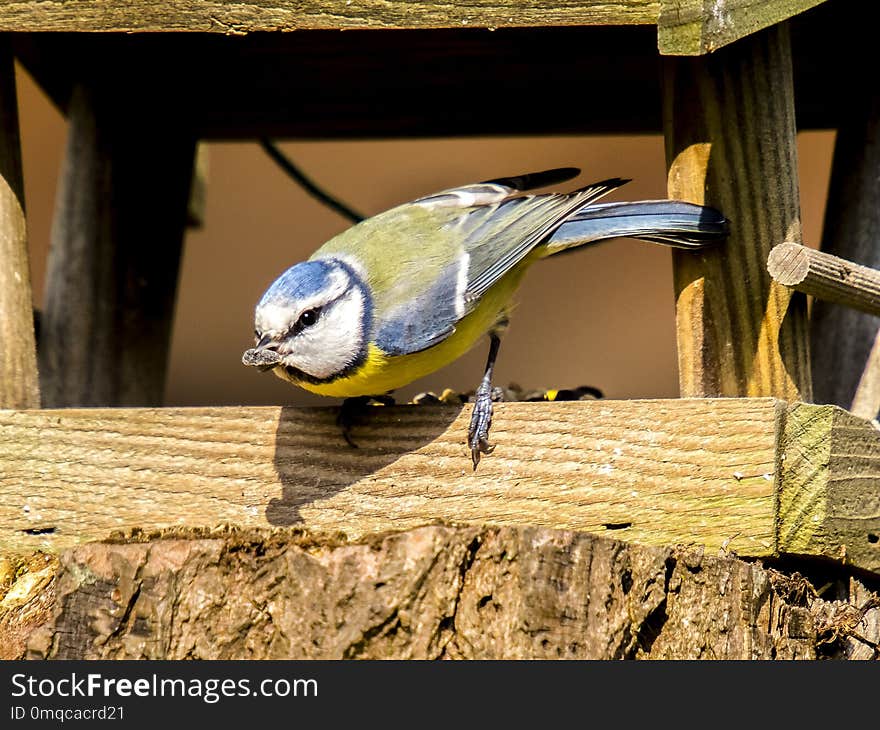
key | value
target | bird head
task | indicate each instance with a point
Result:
(313, 323)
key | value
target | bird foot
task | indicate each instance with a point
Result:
(481, 421)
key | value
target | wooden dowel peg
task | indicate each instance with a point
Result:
(826, 277)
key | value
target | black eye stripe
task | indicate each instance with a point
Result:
(305, 320)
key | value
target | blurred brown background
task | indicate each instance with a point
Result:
(602, 316)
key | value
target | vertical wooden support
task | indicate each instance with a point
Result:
(19, 384)
(730, 142)
(198, 191)
(842, 337)
(116, 243)
(866, 401)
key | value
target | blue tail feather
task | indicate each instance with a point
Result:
(670, 222)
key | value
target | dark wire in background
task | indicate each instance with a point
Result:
(284, 162)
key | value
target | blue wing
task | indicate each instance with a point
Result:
(429, 319)
(488, 228)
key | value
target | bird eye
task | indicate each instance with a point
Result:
(308, 318)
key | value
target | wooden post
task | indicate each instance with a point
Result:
(19, 384)
(866, 401)
(842, 338)
(116, 242)
(198, 191)
(730, 142)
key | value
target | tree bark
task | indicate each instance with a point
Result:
(432, 592)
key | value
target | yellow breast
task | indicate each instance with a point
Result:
(381, 373)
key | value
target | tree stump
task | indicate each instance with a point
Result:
(432, 592)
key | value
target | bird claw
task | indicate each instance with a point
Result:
(480, 446)
(481, 422)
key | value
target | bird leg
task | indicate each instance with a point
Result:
(481, 417)
(353, 408)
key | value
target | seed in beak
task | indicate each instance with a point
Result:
(261, 358)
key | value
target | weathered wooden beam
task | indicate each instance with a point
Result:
(211, 16)
(841, 337)
(321, 84)
(626, 466)
(826, 277)
(695, 27)
(702, 471)
(829, 503)
(116, 243)
(730, 142)
(19, 383)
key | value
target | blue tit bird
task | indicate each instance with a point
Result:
(403, 293)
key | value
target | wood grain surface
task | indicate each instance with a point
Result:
(662, 472)
(750, 475)
(434, 592)
(826, 277)
(235, 18)
(117, 237)
(19, 382)
(842, 337)
(829, 503)
(866, 401)
(731, 143)
(695, 27)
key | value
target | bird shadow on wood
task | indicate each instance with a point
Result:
(314, 462)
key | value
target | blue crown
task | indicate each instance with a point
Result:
(299, 282)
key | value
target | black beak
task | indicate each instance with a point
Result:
(264, 342)
(262, 357)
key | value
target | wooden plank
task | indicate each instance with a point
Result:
(660, 472)
(695, 27)
(829, 503)
(319, 84)
(19, 382)
(826, 277)
(116, 243)
(733, 473)
(730, 141)
(217, 16)
(841, 337)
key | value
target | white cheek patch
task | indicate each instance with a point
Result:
(334, 342)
